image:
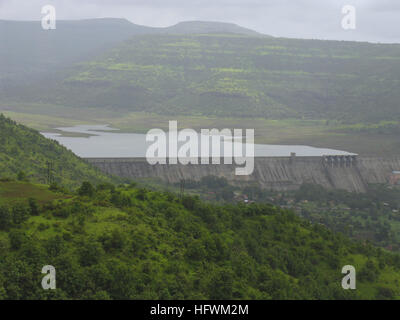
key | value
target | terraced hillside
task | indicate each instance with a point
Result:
(240, 76)
(27, 51)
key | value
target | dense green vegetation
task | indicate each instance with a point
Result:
(25, 154)
(126, 242)
(217, 75)
(130, 243)
(371, 216)
(210, 188)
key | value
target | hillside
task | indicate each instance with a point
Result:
(208, 27)
(236, 76)
(28, 52)
(24, 153)
(130, 243)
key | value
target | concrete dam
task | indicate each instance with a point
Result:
(352, 173)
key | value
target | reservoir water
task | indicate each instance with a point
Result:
(101, 141)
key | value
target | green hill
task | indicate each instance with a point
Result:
(28, 52)
(25, 153)
(129, 243)
(199, 68)
(209, 27)
(236, 75)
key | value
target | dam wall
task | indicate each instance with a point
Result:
(350, 173)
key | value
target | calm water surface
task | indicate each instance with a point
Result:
(106, 142)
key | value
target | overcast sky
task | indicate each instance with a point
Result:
(377, 20)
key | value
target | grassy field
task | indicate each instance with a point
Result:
(12, 192)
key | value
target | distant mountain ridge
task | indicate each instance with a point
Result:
(29, 51)
(197, 68)
(184, 27)
(207, 27)
(233, 76)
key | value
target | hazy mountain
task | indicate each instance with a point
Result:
(214, 69)
(205, 27)
(27, 50)
(234, 75)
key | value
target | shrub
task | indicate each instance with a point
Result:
(17, 238)
(22, 176)
(20, 213)
(5, 218)
(86, 189)
(385, 293)
(33, 207)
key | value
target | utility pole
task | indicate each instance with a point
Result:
(49, 172)
(182, 188)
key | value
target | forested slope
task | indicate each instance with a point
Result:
(27, 51)
(130, 243)
(236, 75)
(27, 154)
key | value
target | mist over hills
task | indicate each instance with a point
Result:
(204, 27)
(28, 50)
(198, 68)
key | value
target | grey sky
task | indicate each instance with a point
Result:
(377, 20)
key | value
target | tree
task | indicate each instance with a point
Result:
(116, 240)
(21, 176)
(86, 189)
(369, 272)
(20, 213)
(33, 206)
(189, 202)
(141, 194)
(54, 187)
(17, 238)
(5, 218)
(54, 246)
(90, 253)
(221, 285)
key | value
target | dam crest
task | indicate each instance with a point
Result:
(348, 172)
